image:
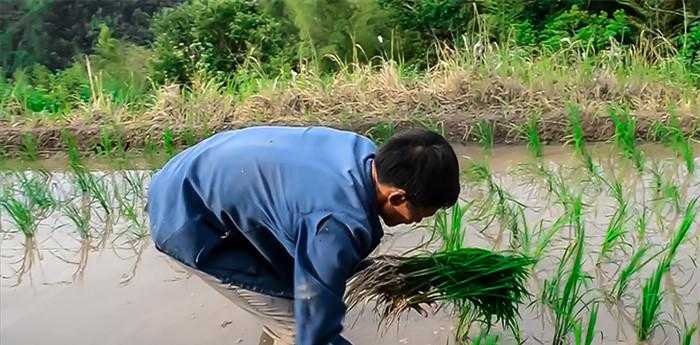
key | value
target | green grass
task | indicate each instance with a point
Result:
(29, 148)
(578, 137)
(625, 136)
(381, 132)
(168, 142)
(75, 161)
(188, 137)
(483, 132)
(530, 132)
(111, 143)
(652, 293)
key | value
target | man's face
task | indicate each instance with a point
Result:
(399, 210)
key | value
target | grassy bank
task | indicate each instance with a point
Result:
(505, 87)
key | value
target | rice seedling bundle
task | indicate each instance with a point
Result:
(489, 285)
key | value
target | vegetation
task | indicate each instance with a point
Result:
(489, 286)
(652, 293)
(115, 79)
(147, 66)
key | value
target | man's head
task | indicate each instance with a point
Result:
(416, 173)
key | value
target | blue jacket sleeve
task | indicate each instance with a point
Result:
(327, 253)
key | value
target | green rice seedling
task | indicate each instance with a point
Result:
(578, 137)
(451, 232)
(483, 131)
(665, 189)
(616, 190)
(21, 214)
(652, 293)
(135, 182)
(688, 334)
(27, 224)
(169, 142)
(79, 218)
(641, 224)
(625, 136)
(29, 147)
(128, 209)
(586, 339)
(381, 132)
(534, 143)
(615, 232)
(37, 192)
(98, 190)
(488, 285)
(564, 293)
(633, 267)
(545, 238)
(672, 135)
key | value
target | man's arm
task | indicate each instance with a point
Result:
(326, 256)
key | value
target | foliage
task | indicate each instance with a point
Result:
(348, 30)
(483, 286)
(576, 24)
(217, 37)
(53, 32)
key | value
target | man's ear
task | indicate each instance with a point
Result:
(397, 197)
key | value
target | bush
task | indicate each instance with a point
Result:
(596, 30)
(217, 37)
(689, 49)
(52, 32)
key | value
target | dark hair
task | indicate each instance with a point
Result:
(423, 164)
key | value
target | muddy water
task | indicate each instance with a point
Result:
(112, 287)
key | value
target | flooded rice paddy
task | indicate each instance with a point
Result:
(78, 266)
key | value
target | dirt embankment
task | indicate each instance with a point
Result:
(452, 101)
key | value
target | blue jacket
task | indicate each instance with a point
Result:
(288, 212)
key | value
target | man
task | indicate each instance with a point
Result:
(277, 218)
